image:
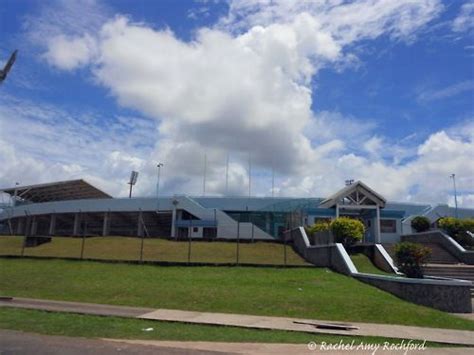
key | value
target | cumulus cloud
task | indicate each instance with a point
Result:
(244, 87)
(70, 53)
(43, 143)
(465, 19)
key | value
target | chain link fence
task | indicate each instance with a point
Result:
(191, 244)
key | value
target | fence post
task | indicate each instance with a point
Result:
(81, 221)
(141, 223)
(238, 243)
(190, 230)
(284, 247)
(27, 228)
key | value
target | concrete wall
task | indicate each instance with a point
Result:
(444, 240)
(333, 256)
(445, 295)
(392, 237)
(322, 238)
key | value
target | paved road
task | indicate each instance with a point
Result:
(19, 343)
(14, 342)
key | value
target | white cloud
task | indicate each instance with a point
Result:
(244, 87)
(465, 19)
(345, 21)
(42, 143)
(70, 53)
(449, 91)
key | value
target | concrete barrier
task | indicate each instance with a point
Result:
(447, 295)
(444, 294)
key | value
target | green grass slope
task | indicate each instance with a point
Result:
(126, 248)
(304, 292)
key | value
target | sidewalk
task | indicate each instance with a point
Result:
(448, 336)
(279, 349)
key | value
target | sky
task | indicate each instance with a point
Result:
(306, 94)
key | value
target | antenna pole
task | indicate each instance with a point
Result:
(227, 174)
(273, 179)
(453, 176)
(250, 174)
(204, 177)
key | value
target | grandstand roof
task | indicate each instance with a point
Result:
(56, 191)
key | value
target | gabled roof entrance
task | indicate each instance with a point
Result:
(356, 194)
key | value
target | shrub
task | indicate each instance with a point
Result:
(318, 227)
(420, 224)
(347, 230)
(457, 229)
(410, 258)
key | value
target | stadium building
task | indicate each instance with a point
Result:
(75, 208)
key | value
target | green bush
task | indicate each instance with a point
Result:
(457, 229)
(347, 230)
(410, 258)
(420, 224)
(318, 227)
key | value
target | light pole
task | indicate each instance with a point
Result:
(250, 175)
(453, 176)
(15, 194)
(133, 181)
(227, 174)
(273, 180)
(204, 176)
(159, 165)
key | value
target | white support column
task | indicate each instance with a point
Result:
(106, 224)
(337, 211)
(34, 226)
(75, 230)
(377, 226)
(52, 224)
(20, 225)
(173, 220)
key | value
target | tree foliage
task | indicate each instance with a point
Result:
(420, 224)
(410, 258)
(347, 230)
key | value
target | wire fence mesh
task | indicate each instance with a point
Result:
(244, 239)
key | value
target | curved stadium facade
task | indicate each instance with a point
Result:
(75, 207)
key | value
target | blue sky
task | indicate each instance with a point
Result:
(319, 92)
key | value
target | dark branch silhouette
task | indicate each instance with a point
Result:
(8, 66)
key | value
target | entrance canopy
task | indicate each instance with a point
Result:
(356, 194)
(56, 191)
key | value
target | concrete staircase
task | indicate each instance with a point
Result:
(442, 264)
(459, 271)
(439, 255)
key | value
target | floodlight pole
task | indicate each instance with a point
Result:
(15, 194)
(250, 175)
(204, 177)
(227, 174)
(453, 176)
(130, 192)
(273, 180)
(159, 165)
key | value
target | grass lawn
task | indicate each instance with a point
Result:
(126, 248)
(316, 293)
(110, 327)
(365, 265)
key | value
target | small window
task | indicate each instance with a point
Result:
(195, 229)
(388, 226)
